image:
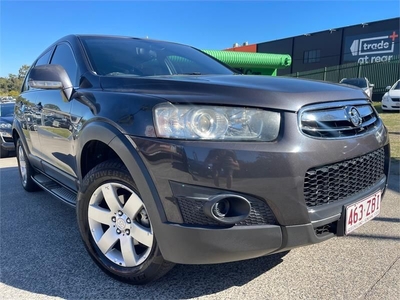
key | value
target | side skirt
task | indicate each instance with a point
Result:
(54, 188)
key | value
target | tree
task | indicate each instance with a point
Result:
(11, 85)
(13, 93)
(22, 71)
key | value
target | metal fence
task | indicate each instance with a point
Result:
(380, 74)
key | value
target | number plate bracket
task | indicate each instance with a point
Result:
(340, 229)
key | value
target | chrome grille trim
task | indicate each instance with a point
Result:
(333, 120)
(371, 121)
(334, 114)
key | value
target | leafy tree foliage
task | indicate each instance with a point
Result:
(11, 85)
(22, 71)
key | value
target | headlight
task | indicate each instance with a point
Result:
(385, 96)
(5, 134)
(194, 122)
(4, 125)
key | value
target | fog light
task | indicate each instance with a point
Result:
(221, 208)
(227, 208)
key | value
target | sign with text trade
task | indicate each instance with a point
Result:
(371, 48)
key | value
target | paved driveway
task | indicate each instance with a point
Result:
(42, 257)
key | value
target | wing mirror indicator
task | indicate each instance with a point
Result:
(37, 84)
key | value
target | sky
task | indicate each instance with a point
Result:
(28, 27)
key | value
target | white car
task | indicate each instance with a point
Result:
(391, 99)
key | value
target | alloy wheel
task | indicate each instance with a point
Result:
(22, 165)
(119, 224)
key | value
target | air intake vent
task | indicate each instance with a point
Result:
(335, 182)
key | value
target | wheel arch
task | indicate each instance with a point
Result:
(17, 133)
(105, 137)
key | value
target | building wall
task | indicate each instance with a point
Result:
(376, 41)
(283, 46)
(372, 42)
(316, 50)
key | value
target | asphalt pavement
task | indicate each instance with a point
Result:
(42, 257)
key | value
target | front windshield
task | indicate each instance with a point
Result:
(359, 82)
(6, 110)
(396, 86)
(111, 56)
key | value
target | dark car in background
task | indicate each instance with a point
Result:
(362, 83)
(6, 119)
(169, 156)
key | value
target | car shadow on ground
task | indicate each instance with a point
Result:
(394, 182)
(42, 253)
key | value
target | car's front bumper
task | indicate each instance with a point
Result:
(273, 173)
(6, 141)
(388, 104)
(390, 107)
(195, 244)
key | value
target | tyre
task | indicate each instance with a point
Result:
(116, 228)
(3, 152)
(25, 169)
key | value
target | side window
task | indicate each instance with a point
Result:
(311, 56)
(43, 60)
(63, 56)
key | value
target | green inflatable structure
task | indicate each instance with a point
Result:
(252, 63)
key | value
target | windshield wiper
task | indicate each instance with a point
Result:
(191, 73)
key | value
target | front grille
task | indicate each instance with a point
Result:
(331, 183)
(192, 213)
(338, 120)
(396, 99)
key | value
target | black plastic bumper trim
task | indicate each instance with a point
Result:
(193, 245)
(9, 146)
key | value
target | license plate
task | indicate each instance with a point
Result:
(397, 104)
(363, 211)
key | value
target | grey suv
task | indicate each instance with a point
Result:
(169, 156)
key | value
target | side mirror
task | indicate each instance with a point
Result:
(51, 77)
(388, 87)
